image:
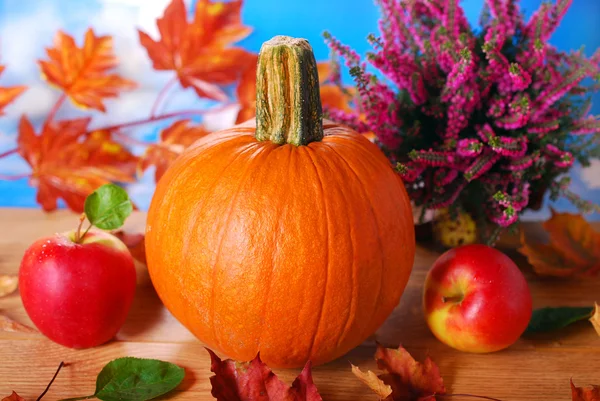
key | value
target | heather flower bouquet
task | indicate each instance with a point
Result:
(479, 120)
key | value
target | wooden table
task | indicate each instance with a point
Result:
(537, 369)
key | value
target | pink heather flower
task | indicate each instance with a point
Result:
(473, 119)
(521, 79)
(469, 147)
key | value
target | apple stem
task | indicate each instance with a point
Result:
(78, 235)
(453, 299)
(481, 397)
(51, 381)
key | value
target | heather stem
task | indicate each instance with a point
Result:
(162, 117)
(162, 95)
(9, 152)
(55, 108)
(14, 177)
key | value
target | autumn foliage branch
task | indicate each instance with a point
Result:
(70, 158)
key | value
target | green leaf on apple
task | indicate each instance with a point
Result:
(548, 319)
(108, 207)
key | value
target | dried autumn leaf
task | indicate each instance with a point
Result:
(173, 140)
(136, 244)
(595, 319)
(198, 50)
(254, 380)
(591, 393)
(69, 163)
(8, 93)
(7, 324)
(574, 248)
(408, 379)
(332, 96)
(83, 72)
(382, 390)
(8, 284)
(13, 397)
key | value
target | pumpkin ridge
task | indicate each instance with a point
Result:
(267, 295)
(249, 168)
(327, 257)
(354, 296)
(375, 222)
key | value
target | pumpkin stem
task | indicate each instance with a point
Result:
(288, 102)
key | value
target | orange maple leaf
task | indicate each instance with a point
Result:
(591, 393)
(404, 379)
(198, 51)
(13, 397)
(82, 73)
(574, 248)
(69, 163)
(248, 381)
(9, 93)
(332, 96)
(173, 140)
(595, 319)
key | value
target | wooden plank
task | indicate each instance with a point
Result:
(543, 365)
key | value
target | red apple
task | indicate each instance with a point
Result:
(476, 299)
(78, 294)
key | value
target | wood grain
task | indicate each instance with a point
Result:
(532, 369)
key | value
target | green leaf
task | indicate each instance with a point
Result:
(108, 207)
(135, 379)
(548, 319)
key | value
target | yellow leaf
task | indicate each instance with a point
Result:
(595, 319)
(8, 284)
(375, 383)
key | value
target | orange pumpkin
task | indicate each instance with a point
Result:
(286, 235)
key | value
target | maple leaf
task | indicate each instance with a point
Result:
(249, 381)
(198, 50)
(332, 96)
(69, 163)
(13, 397)
(82, 72)
(405, 379)
(591, 393)
(173, 140)
(574, 248)
(136, 244)
(9, 93)
(8, 285)
(595, 319)
(7, 324)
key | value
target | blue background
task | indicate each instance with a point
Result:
(27, 26)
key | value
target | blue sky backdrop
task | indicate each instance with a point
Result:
(28, 26)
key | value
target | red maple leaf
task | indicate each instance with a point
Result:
(68, 162)
(13, 397)
(199, 50)
(591, 393)
(404, 379)
(82, 72)
(173, 140)
(254, 380)
(8, 93)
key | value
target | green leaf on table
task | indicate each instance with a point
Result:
(136, 379)
(108, 207)
(548, 319)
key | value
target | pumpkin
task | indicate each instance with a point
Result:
(286, 235)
